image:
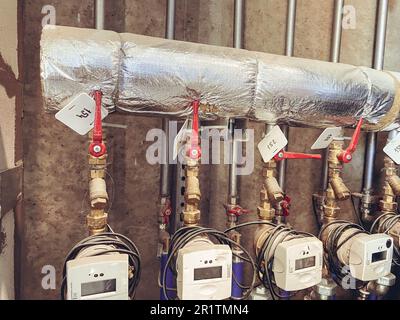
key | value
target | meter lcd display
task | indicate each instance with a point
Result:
(379, 256)
(207, 273)
(97, 287)
(305, 263)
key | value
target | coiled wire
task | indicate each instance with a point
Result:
(186, 234)
(386, 222)
(332, 247)
(265, 258)
(120, 243)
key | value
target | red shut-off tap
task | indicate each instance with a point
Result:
(294, 155)
(285, 205)
(97, 148)
(237, 211)
(194, 151)
(347, 155)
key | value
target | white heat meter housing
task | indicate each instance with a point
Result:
(371, 256)
(297, 263)
(103, 277)
(204, 272)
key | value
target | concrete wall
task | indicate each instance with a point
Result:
(8, 84)
(9, 94)
(55, 158)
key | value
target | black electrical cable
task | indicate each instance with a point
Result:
(315, 210)
(356, 212)
(119, 244)
(186, 234)
(332, 246)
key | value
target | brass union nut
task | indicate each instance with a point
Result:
(266, 213)
(96, 221)
(191, 217)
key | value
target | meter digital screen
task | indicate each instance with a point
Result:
(305, 263)
(207, 273)
(379, 256)
(96, 287)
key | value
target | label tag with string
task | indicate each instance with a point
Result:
(180, 139)
(326, 137)
(392, 149)
(78, 113)
(272, 143)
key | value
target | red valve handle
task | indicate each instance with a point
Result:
(285, 205)
(347, 155)
(294, 155)
(97, 148)
(195, 150)
(238, 211)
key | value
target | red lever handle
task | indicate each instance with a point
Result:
(97, 148)
(195, 150)
(347, 155)
(294, 155)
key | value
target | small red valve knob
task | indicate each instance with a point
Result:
(285, 205)
(97, 148)
(237, 211)
(166, 211)
(294, 155)
(194, 151)
(347, 155)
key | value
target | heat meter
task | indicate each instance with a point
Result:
(204, 271)
(103, 277)
(371, 256)
(297, 263)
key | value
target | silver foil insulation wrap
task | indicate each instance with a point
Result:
(158, 77)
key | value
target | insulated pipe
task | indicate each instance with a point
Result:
(289, 50)
(99, 14)
(379, 54)
(237, 263)
(334, 57)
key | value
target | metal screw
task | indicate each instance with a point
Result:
(97, 149)
(280, 155)
(194, 152)
(348, 157)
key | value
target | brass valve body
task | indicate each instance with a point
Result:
(96, 220)
(270, 194)
(391, 187)
(337, 190)
(191, 212)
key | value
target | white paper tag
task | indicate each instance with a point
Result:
(78, 114)
(181, 138)
(272, 143)
(326, 138)
(392, 149)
